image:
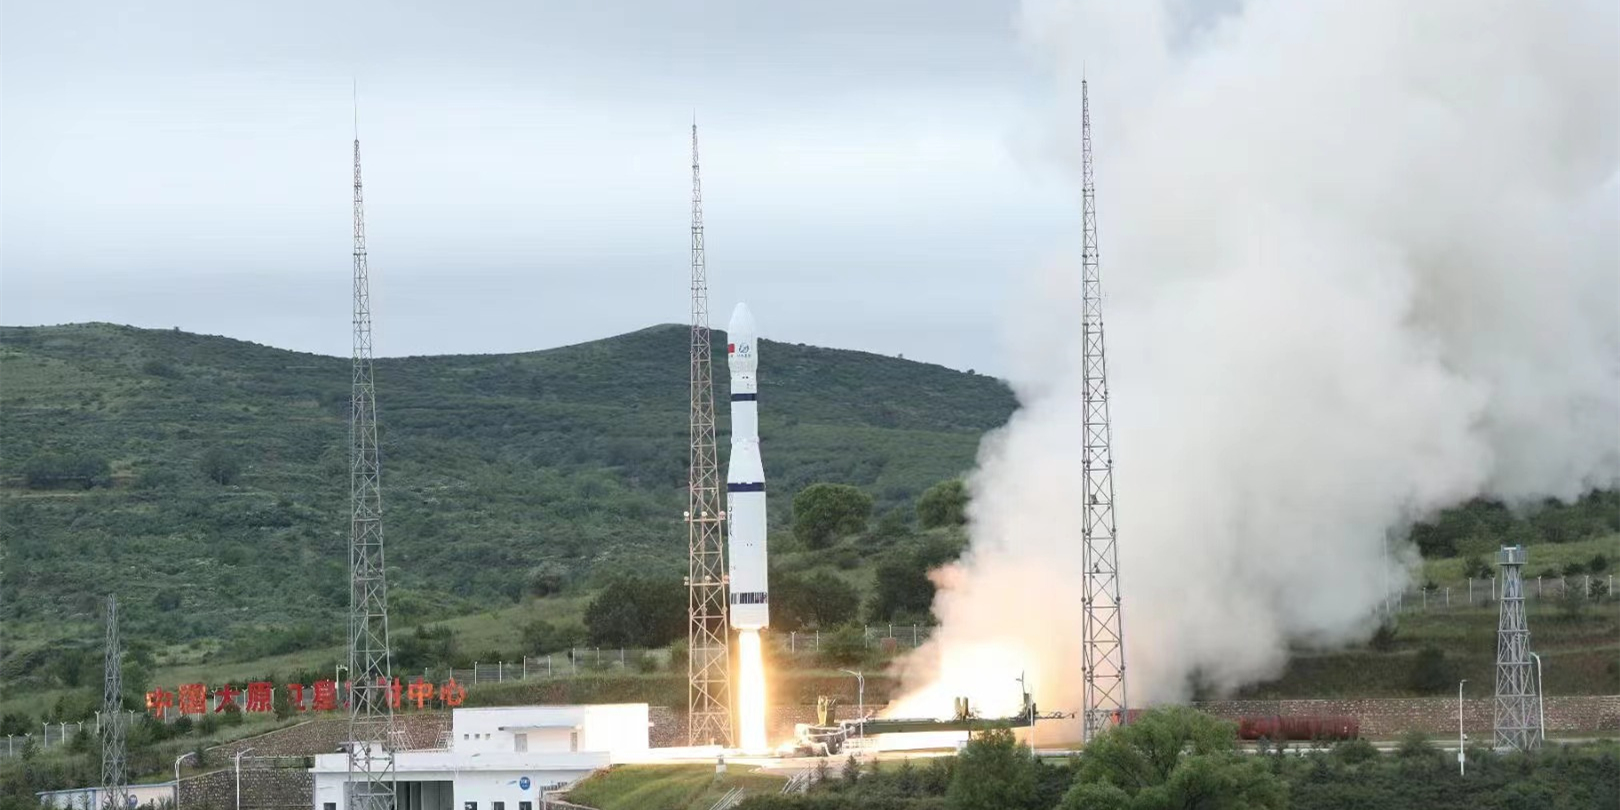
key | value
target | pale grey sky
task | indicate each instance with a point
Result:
(870, 173)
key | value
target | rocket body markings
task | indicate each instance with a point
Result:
(745, 479)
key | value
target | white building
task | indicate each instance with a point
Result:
(502, 758)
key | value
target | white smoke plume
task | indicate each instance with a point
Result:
(1360, 261)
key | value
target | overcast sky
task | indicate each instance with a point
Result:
(869, 175)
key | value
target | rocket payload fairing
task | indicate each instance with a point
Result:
(745, 479)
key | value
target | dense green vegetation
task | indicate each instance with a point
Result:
(203, 480)
(1179, 758)
(668, 787)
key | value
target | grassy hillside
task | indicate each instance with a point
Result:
(500, 472)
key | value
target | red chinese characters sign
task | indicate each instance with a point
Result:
(322, 696)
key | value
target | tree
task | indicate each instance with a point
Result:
(1172, 757)
(635, 611)
(221, 465)
(1431, 674)
(903, 585)
(944, 504)
(993, 772)
(1599, 564)
(822, 513)
(818, 600)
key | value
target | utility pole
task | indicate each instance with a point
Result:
(1103, 632)
(708, 663)
(113, 774)
(371, 715)
(1462, 739)
(1515, 722)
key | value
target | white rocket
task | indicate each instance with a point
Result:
(745, 479)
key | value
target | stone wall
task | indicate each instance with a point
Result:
(283, 787)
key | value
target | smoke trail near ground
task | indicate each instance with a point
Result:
(1361, 262)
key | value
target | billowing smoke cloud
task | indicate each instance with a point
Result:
(1361, 262)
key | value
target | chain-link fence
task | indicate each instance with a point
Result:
(51, 735)
(1485, 592)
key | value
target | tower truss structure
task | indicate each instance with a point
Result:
(1103, 633)
(114, 775)
(371, 714)
(708, 637)
(1517, 726)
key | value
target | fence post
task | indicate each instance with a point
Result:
(475, 672)
(913, 635)
(598, 656)
(1425, 598)
(791, 636)
(1448, 596)
(621, 658)
(1538, 586)
(818, 639)
(1470, 591)
(1493, 588)
(525, 667)
(548, 665)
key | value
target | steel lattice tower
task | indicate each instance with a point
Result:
(1516, 724)
(114, 784)
(709, 664)
(1103, 632)
(371, 715)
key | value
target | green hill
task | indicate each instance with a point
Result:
(502, 473)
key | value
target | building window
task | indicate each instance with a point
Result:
(525, 805)
(498, 805)
(520, 742)
(465, 736)
(329, 806)
(469, 806)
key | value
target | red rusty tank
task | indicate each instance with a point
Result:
(1299, 727)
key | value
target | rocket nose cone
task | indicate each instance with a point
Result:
(742, 323)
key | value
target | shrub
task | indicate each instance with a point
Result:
(1598, 564)
(85, 470)
(1383, 639)
(1431, 673)
(944, 504)
(221, 465)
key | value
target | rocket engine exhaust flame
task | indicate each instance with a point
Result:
(750, 693)
(1363, 269)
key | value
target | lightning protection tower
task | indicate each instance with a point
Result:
(708, 663)
(371, 715)
(1516, 724)
(1103, 633)
(115, 788)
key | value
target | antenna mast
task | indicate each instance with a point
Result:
(113, 774)
(708, 632)
(371, 715)
(1103, 633)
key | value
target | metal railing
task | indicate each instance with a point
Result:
(1484, 592)
(53, 734)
